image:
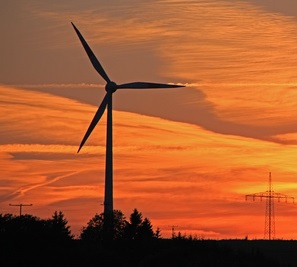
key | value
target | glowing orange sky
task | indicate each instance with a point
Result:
(174, 173)
(184, 157)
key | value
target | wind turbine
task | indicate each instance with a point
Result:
(110, 88)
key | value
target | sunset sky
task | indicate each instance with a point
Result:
(184, 157)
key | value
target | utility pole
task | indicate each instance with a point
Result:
(20, 205)
(269, 195)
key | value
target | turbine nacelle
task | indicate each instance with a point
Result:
(111, 87)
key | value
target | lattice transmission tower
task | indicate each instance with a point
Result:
(269, 195)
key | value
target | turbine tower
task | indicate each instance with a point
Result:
(110, 88)
(269, 195)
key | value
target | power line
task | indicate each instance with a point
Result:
(269, 195)
(20, 205)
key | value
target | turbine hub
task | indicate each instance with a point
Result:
(111, 87)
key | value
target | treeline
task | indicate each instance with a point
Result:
(31, 228)
(136, 228)
(30, 241)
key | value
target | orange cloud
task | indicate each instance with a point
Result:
(241, 63)
(175, 173)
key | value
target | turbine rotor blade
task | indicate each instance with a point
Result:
(146, 85)
(95, 62)
(96, 118)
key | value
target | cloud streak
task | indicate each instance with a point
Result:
(193, 154)
(175, 173)
(242, 63)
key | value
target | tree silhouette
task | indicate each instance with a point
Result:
(30, 228)
(58, 227)
(21, 228)
(94, 231)
(145, 230)
(158, 233)
(120, 223)
(134, 224)
(138, 228)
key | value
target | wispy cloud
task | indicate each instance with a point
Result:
(239, 64)
(201, 177)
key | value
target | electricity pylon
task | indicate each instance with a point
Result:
(269, 195)
(20, 205)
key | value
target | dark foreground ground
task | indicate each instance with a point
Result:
(162, 252)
